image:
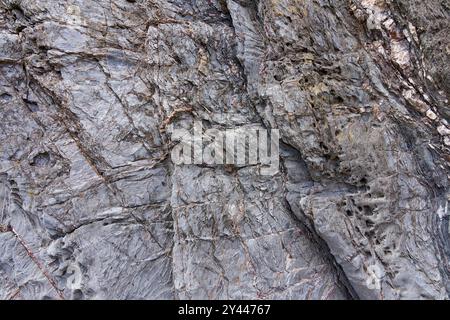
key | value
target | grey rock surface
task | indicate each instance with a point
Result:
(92, 207)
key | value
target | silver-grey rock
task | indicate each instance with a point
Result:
(92, 207)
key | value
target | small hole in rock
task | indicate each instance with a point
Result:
(77, 294)
(369, 233)
(41, 159)
(5, 97)
(369, 223)
(20, 28)
(367, 210)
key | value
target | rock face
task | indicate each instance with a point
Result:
(92, 207)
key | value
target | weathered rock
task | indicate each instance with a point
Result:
(92, 207)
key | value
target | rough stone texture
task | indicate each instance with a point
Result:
(91, 206)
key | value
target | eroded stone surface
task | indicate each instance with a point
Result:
(91, 206)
